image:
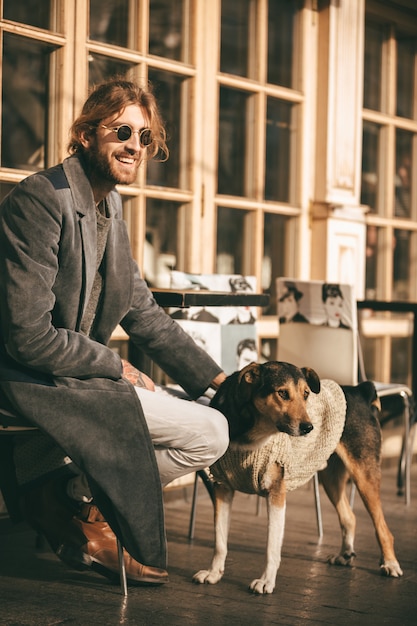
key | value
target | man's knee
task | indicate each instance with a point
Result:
(217, 435)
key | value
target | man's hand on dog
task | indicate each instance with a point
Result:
(136, 377)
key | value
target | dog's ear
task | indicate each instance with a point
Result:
(249, 378)
(250, 373)
(312, 379)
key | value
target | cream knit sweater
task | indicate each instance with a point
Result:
(300, 457)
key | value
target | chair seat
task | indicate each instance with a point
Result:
(387, 389)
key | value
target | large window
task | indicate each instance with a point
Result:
(389, 158)
(389, 161)
(258, 125)
(228, 78)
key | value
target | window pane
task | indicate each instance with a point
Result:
(110, 20)
(400, 360)
(370, 168)
(372, 348)
(166, 37)
(101, 68)
(232, 142)
(401, 267)
(281, 25)
(403, 169)
(168, 92)
(161, 246)
(373, 253)
(33, 12)
(233, 241)
(234, 54)
(278, 150)
(25, 100)
(369, 347)
(406, 55)
(275, 252)
(372, 93)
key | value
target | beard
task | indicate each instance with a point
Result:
(102, 166)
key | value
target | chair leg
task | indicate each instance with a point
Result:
(193, 509)
(122, 568)
(403, 476)
(318, 505)
(258, 505)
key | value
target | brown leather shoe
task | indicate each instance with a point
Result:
(92, 544)
(80, 536)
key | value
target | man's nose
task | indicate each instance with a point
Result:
(133, 142)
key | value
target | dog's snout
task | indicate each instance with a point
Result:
(306, 427)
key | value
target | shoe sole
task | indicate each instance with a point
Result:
(79, 560)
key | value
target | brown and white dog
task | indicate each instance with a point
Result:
(263, 399)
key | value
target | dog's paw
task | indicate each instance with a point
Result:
(391, 568)
(345, 559)
(208, 576)
(262, 586)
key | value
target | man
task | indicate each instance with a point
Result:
(67, 279)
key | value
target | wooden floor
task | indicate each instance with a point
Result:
(36, 589)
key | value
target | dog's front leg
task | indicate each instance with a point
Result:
(223, 497)
(274, 483)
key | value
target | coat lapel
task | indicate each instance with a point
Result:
(85, 207)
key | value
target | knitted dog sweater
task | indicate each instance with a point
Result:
(301, 457)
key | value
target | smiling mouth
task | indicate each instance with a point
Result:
(126, 160)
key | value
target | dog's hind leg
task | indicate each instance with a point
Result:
(276, 504)
(334, 478)
(367, 477)
(223, 498)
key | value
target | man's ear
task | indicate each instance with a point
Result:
(86, 136)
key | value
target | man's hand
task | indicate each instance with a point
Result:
(137, 378)
(216, 382)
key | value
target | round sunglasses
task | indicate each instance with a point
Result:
(124, 132)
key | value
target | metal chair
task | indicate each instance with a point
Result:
(12, 425)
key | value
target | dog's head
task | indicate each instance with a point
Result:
(265, 398)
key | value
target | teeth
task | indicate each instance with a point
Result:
(126, 160)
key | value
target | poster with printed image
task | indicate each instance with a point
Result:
(316, 302)
(228, 334)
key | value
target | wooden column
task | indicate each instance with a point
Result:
(338, 227)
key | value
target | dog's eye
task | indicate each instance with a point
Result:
(306, 394)
(283, 393)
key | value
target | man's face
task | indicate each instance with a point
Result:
(112, 161)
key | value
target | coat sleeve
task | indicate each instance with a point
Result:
(30, 237)
(166, 343)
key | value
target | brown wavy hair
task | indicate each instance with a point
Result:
(111, 98)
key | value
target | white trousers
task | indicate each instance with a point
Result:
(187, 435)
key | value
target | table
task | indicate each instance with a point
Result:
(183, 298)
(396, 306)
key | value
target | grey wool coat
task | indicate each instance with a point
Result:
(69, 384)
